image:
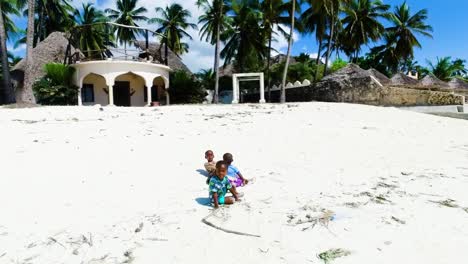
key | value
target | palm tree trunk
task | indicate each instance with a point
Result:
(285, 72)
(268, 68)
(332, 31)
(7, 88)
(216, 65)
(318, 61)
(26, 93)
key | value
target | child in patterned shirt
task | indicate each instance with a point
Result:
(219, 186)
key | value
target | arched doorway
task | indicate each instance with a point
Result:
(94, 90)
(128, 90)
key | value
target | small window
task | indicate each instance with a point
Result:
(87, 93)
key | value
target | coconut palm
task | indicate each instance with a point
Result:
(273, 16)
(445, 68)
(405, 28)
(361, 23)
(214, 21)
(173, 23)
(91, 36)
(288, 54)
(7, 8)
(332, 9)
(50, 16)
(26, 93)
(245, 44)
(315, 19)
(127, 13)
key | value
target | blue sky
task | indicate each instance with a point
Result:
(449, 19)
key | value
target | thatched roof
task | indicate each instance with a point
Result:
(51, 49)
(349, 71)
(384, 80)
(430, 80)
(402, 79)
(155, 49)
(456, 83)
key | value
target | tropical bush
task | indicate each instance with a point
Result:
(185, 89)
(338, 64)
(56, 87)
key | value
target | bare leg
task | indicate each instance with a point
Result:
(229, 200)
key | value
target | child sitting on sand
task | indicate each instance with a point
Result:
(219, 186)
(210, 165)
(234, 175)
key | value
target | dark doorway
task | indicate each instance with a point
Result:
(122, 93)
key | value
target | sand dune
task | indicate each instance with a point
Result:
(124, 185)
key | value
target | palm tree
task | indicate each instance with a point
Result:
(26, 94)
(315, 19)
(288, 54)
(207, 78)
(405, 28)
(214, 22)
(50, 16)
(273, 15)
(361, 23)
(245, 44)
(7, 7)
(445, 69)
(173, 25)
(127, 13)
(91, 36)
(332, 10)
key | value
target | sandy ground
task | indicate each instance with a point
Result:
(124, 185)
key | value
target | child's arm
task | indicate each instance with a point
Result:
(234, 193)
(215, 200)
(242, 178)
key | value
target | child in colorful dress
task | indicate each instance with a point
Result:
(234, 175)
(219, 186)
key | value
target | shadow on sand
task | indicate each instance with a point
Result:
(205, 201)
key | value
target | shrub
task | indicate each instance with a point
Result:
(56, 87)
(185, 89)
(338, 64)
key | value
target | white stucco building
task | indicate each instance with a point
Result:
(121, 82)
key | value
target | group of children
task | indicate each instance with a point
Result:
(223, 177)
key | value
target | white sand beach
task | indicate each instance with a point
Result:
(125, 185)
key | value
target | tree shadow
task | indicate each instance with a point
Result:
(205, 201)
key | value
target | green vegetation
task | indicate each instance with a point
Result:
(332, 254)
(56, 88)
(185, 89)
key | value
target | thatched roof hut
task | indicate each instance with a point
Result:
(350, 71)
(431, 80)
(51, 49)
(402, 79)
(457, 83)
(157, 52)
(384, 80)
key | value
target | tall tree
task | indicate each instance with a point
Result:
(332, 8)
(288, 54)
(405, 28)
(361, 23)
(273, 16)
(315, 19)
(127, 13)
(7, 7)
(26, 93)
(245, 43)
(91, 35)
(214, 21)
(173, 24)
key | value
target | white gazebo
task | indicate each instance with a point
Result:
(244, 77)
(121, 83)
